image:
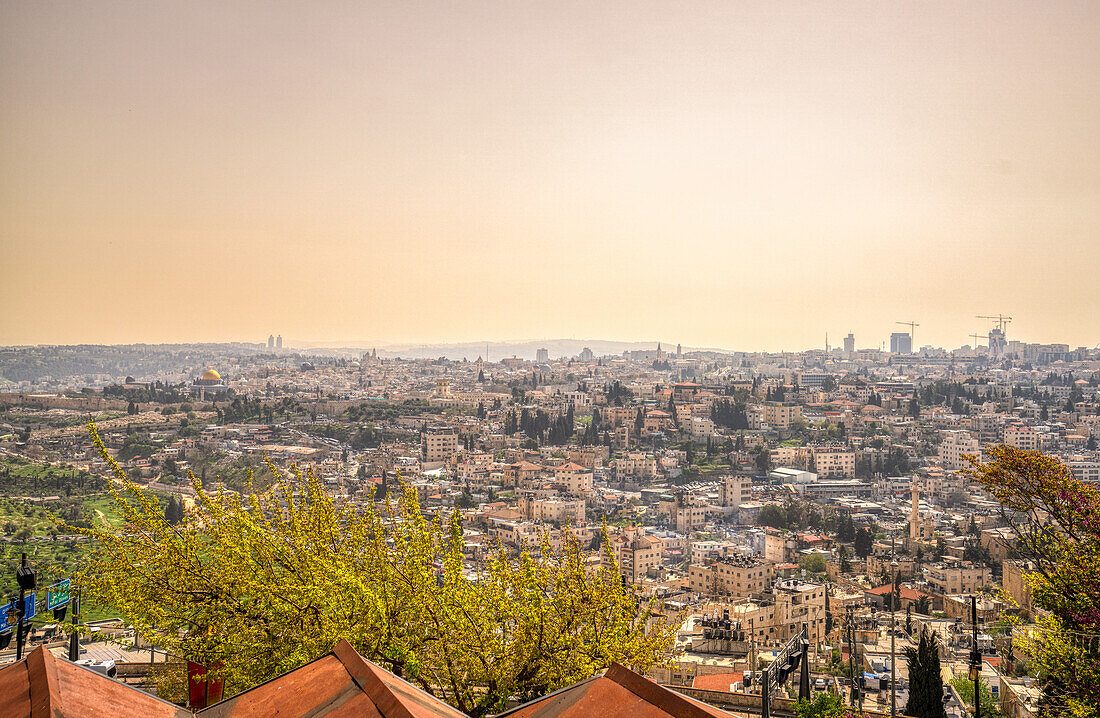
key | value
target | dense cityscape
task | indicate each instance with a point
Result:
(549, 359)
(746, 494)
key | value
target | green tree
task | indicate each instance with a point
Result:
(925, 683)
(763, 461)
(965, 687)
(842, 553)
(813, 563)
(863, 543)
(1055, 521)
(824, 705)
(258, 584)
(772, 515)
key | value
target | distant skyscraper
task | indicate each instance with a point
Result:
(279, 342)
(679, 350)
(270, 341)
(850, 344)
(901, 343)
(586, 354)
(542, 356)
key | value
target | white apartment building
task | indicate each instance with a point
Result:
(437, 445)
(1022, 436)
(737, 576)
(794, 602)
(687, 513)
(1087, 471)
(578, 399)
(958, 577)
(560, 511)
(777, 415)
(834, 462)
(701, 427)
(636, 553)
(733, 490)
(635, 466)
(957, 444)
(574, 479)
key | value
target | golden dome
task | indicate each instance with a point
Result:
(211, 375)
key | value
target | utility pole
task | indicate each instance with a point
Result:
(74, 637)
(857, 693)
(804, 674)
(975, 658)
(752, 648)
(893, 655)
(765, 693)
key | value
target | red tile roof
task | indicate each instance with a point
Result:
(619, 692)
(718, 681)
(43, 685)
(340, 684)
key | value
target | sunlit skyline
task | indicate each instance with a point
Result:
(735, 175)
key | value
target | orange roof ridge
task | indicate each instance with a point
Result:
(44, 686)
(42, 674)
(368, 682)
(376, 682)
(664, 698)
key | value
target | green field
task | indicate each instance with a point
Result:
(22, 477)
(30, 527)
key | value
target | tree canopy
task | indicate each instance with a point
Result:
(1056, 522)
(925, 683)
(255, 585)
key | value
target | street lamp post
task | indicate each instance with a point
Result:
(893, 657)
(27, 578)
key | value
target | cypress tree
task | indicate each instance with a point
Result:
(925, 683)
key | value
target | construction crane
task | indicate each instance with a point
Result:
(997, 343)
(1001, 320)
(912, 331)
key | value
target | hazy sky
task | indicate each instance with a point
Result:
(736, 174)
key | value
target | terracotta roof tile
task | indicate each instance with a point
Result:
(44, 685)
(619, 692)
(718, 681)
(338, 684)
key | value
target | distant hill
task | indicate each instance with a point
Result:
(557, 348)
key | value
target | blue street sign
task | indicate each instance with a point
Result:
(30, 608)
(57, 595)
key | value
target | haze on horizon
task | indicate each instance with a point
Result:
(743, 175)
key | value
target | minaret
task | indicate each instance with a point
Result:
(914, 516)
